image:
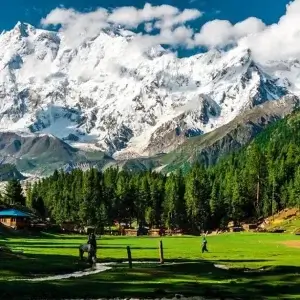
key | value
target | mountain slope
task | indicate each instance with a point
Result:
(108, 96)
(43, 153)
(211, 147)
(8, 172)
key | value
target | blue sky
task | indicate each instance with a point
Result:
(31, 11)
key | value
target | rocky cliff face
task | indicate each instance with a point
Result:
(127, 103)
(209, 148)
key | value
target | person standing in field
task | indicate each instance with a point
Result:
(204, 244)
(92, 240)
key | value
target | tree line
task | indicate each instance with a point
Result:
(256, 182)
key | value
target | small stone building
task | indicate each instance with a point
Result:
(14, 218)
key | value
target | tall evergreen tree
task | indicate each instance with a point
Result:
(171, 214)
(256, 173)
(143, 200)
(13, 193)
(197, 198)
(295, 201)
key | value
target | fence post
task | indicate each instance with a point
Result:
(129, 257)
(161, 252)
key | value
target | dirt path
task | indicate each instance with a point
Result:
(293, 244)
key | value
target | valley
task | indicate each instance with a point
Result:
(149, 150)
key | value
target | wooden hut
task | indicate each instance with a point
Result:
(14, 218)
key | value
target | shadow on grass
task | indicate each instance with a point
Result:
(29, 265)
(242, 260)
(44, 245)
(71, 236)
(191, 278)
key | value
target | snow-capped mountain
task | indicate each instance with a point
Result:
(106, 94)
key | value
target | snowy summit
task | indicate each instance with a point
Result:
(108, 94)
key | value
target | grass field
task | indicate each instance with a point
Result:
(277, 254)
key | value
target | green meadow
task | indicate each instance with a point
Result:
(260, 266)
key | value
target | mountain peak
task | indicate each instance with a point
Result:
(107, 95)
(24, 29)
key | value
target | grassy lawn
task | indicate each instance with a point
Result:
(195, 275)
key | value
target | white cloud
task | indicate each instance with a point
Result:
(278, 41)
(78, 27)
(248, 27)
(219, 33)
(214, 33)
(181, 18)
(131, 17)
(148, 27)
(182, 34)
(179, 36)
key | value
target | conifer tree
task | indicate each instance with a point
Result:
(13, 193)
(197, 198)
(296, 189)
(171, 200)
(28, 189)
(253, 182)
(237, 201)
(143, 200)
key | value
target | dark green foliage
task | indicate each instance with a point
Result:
(254, 182)
(13, 193)
(262, 178)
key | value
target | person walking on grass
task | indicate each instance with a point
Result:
(93, 251)
(92, 240)
(204, 244)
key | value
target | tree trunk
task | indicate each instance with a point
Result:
(273, 198)
(257, 195)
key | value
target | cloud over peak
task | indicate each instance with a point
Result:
(166, 24)
(78, 27)
(219, 33)
(279, 41)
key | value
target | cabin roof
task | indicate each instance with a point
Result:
(13, 213)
